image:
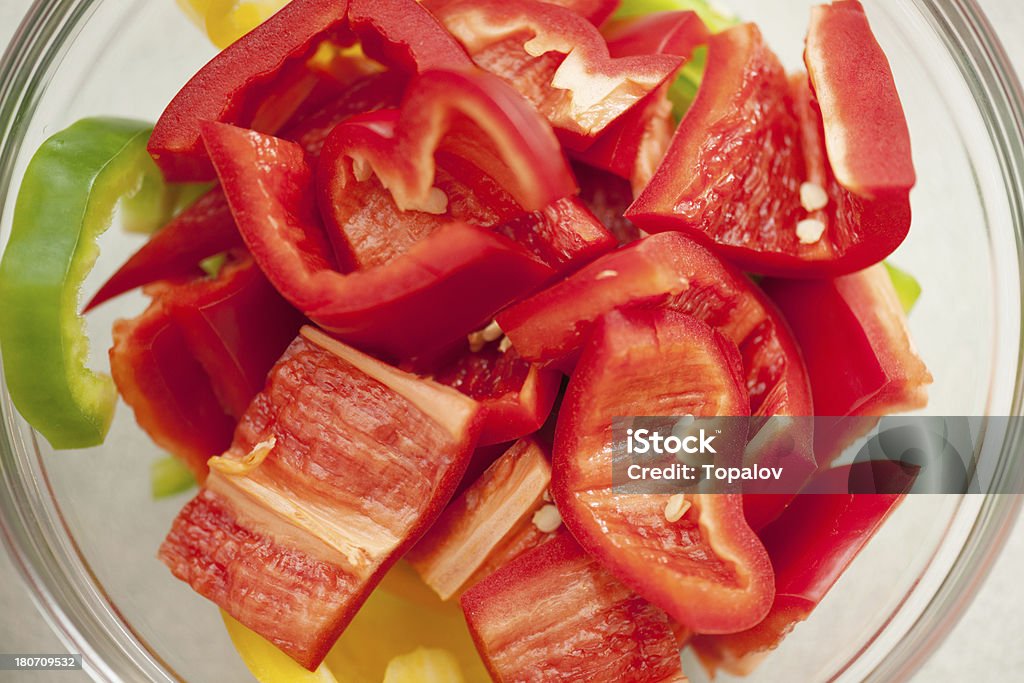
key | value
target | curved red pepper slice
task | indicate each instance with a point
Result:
(202, 230)
(558, 60)
(515, 396)
(190, 364)
(291, 539)
(207, 227)
(240, 81)
(706, 569)
(581, 624)
(633, 146)
(401, 308)
(469, 114)
(769, 132)
(860, 359)
(594, 11)
(669, 270)
(810, 545)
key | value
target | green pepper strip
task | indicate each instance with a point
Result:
(169, 476)
(66, 201)
(908, 289)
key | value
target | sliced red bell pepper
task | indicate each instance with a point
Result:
(207, 227)
(262, 67)
(202, 230)
(671, 270)
(860, 359)
(634, 145)
(469, 114)
(401, 308)
(706, 569)
(558, 60)
(489, 524)
(555, 614)
(368, 228)
(770, 134)
(190, 364)
(290, 539)
(515, 396)
(810, 545)
(865, 130)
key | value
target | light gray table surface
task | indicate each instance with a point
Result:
(985, 646)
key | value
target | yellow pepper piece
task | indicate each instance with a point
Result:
(424, 665)
(266, 662)
(403, 614)
(402, 619)
(229, 20)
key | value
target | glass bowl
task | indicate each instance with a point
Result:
(83, 530)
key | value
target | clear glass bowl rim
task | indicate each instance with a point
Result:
(74, 604)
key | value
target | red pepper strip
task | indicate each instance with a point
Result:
(810, 546)
(860, 359)
(291, 539)
(554, 614)
(770, 132)
(705, 568)
(470, 114)
(237, 81)
(207, 227)
(858, 102)
(405, 36)
(673, 271)
(190, 364)
(204, 229)
(401, 308)
(236, 327)
(515, 396)
(489, 524)
(635, 144)
(558, 60)
(233, 86)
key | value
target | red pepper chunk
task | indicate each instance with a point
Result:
(190, 364)
(778, 189)
(634, 145)
(554, 614)
(487, 525)
(558, 60)
(515, 396)
(860, 358)
(703, 566)
(207, 227)
(469, 161)
(247, 78)
(338, 466)
(810, 545)
(441, 289)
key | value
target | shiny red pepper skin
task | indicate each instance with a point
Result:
(594, 628)
(810, 546)
(594, 11)
(633, 146)
(190, 364)
(240, 81)
(527, 42)
(770, 131)
(515, 396)
(207, 227)
(401, 308)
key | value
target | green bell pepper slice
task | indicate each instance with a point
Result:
(67, 199)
